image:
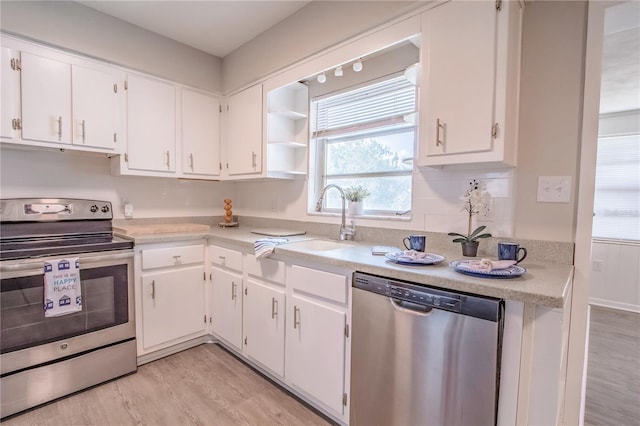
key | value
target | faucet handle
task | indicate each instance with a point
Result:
(349, 231)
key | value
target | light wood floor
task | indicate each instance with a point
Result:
(204, 385)
(613, 372)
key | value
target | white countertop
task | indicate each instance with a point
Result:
(544, 284)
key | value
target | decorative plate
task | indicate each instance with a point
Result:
(401, 259)
(463, 267)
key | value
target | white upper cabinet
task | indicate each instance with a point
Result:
(200, 133)
(468, 106)
(10, 108)
(151, 124)
(244, 132)
(46, 99)
(55, 99)
(94, 107)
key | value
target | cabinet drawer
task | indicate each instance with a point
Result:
(172, 256)
(267, 269)
(320, 283)
(221, 256)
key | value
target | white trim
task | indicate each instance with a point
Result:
(614, 305)
(579, 327)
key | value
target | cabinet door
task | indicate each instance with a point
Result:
(316, 350)
(151, 124)
(46, 99)
(10, 95)
(244, 132)
(227, 306)
(200, 133)
(459, 60)
(172, 305)
(94, 107)
(264, 311)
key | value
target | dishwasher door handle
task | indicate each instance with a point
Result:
(410, 308)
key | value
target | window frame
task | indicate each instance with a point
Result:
(388, 126)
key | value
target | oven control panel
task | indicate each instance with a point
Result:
(53, 209)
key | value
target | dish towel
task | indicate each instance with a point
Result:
(62, 293)
(265, 246)
(489, 265)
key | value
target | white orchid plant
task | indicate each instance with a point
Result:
(476, 201)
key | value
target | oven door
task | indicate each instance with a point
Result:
(28, 338)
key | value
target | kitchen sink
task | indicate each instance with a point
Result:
(320, 245)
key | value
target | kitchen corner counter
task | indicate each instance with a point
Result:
(544, 283)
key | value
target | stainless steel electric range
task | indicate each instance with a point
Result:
(47, 357)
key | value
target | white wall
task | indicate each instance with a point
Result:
(551, 88)
(615, 275)
(49, 174)
(79, 28)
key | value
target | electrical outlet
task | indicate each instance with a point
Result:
(596, 265)
(554, 189)
(128, 210)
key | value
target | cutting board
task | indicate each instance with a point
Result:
(161, 228)
(276, 232)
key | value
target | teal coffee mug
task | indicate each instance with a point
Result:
(511, 251)
(416, 242)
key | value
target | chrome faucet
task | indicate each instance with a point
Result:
(346, 232)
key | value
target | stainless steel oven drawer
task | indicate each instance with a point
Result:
(35, 386)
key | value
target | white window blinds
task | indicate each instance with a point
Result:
(617, 192)
(382, 103)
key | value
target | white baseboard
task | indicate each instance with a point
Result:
(614, 305)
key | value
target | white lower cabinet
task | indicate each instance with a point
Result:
(226, 294)
(317, 333)
(172, 305)
(264, 313)
(315, 356)
(227, 306)
(170, 295)
(289, 321)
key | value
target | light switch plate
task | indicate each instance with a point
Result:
(554, 189)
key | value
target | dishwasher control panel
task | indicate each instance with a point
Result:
(423, 297)
(429, 297)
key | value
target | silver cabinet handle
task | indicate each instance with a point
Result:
(153, 289)
(191, 161)
(439, 125)
(176, 258)
(83, 132)
(274, 307)
(168, 162)
(59, 128)
(233, 290)
(253, 159)
(296, 312)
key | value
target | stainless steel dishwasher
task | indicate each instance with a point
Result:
(423, 356)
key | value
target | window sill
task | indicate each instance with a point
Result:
(398, 218)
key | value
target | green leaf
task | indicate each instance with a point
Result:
(455, 234)
(478, 230)
(477, 237)
(460, 240)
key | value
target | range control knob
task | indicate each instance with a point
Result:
(105, 208)
(93, 208)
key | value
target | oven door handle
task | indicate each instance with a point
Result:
(37, 265)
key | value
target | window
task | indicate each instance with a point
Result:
(366, 136)
(617, 193)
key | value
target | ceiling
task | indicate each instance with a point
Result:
(216, 27)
